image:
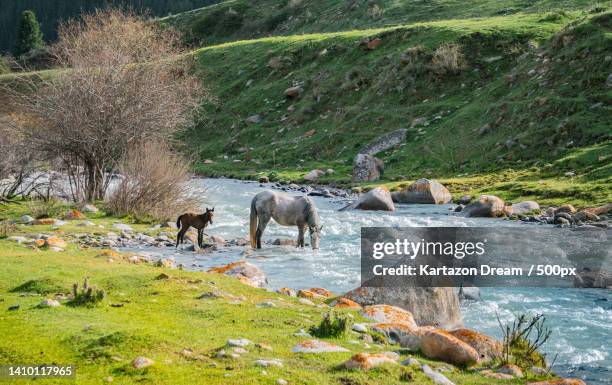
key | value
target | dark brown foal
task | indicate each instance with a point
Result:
(197, 221)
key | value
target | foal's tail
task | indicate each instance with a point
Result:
(178, 221)
(253, 225)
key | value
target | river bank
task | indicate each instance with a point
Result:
(336, 269)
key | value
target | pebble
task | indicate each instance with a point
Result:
(271, 362)
(49, 303)
(241, 342)
(142, 362)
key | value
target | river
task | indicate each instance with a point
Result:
(581, 319)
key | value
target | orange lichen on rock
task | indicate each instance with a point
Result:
(309, 294)
(224, 269)
(322, 291)
(488, 348)
(367, 361)
(389, 314)
(345, 303)
(442, 345)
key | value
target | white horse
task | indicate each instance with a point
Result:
(287, 210)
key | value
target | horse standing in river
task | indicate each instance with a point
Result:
(286, 210)
(197, 221)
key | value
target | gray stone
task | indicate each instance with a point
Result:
(367, 168)
(254, 119)
(424, 191)
(375, 199)
(429, 306)
(49, 303)
(122, 227)
(317, 346)
(485, 206)
(270, 362)
(436, 377)
(385, 142)
(89, 209)
(142, 362)
(26, 219)
(240, 342)
(525, 207)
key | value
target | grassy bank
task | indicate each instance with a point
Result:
(143, 315)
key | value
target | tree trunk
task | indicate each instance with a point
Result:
(95, 181)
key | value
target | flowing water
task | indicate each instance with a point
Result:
(581, 319)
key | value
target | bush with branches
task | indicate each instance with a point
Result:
(120, 79)
(153, 184)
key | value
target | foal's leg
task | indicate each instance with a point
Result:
(179, 237)
(261, 226)
(200, 236)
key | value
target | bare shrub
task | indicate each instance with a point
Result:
(45, 208)
(119, 80)
(16, 162)
(447, 59)
(153, 185)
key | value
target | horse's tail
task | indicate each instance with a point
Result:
(253, 225)
(178, 221)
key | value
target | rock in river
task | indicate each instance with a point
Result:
(485, 206)
(426, 191)
(375, 199)
(438, 306)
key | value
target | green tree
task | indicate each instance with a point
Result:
(29, 36)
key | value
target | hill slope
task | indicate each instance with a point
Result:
(507, 104)
(242, 19)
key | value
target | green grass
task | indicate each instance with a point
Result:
(554, 114)
(158, 318)
(242, 19)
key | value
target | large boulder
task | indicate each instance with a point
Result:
(427, 191)
(485, 206)
(314, 175)
(441, 345)
(389, 314)
(437, 306)
(409, 337)
(367, 168)
(601, 210)
(385, 142)
(245, 271)
(600, 279)
(525, 207)
(488, 348)
(375, 199)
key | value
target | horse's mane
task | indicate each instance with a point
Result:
(310, 212)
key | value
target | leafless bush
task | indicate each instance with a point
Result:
(447, 59)
(153, 185)
(119, 80)
(45, 208)
(16, 163)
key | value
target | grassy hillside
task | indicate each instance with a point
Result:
(240, 19)
(523, 110)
